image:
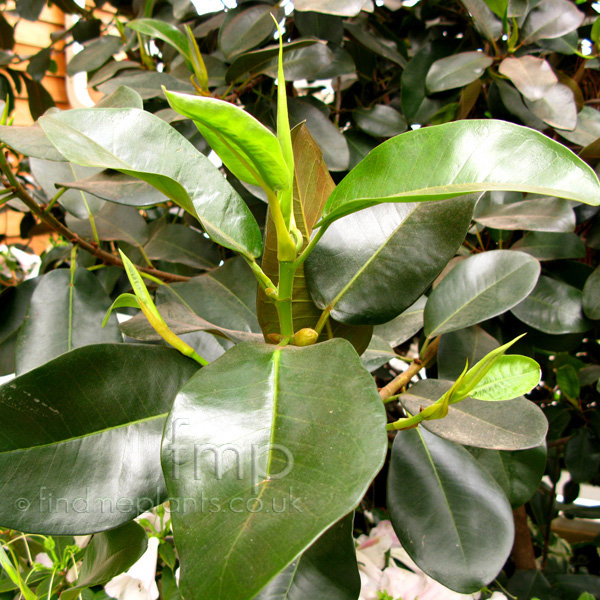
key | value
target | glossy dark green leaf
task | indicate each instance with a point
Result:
(118, 187)
(328, 137)
(250, 151)
(181, 320)
(109, 554)
(61, 317)
(413, 77)
(254, 62)
(539, 214)
(551, 19)
(456, 347)
(374, 44)
(40, 63)
(114, 139)
(513, 101)
(81, 437)
(518, 472)
(110, 70)
(312, 186)
(433, 163)
(551, 246)
(438, 492)
(30, 9)
(225, 297)
(568, 382)
(14, 302)
(372, 265)
(308, 62)
(484, 19)
(113, 222)
(320, 25)
(479, 288)
(574, 586)
(359, 145)
(591, 295)
(529, 585)
(181, 244)
(246, 28)
(278, 455)
(404, 326)
(327, 569)
(148, 84)
(47, 173)
(380, 121)
(94, 54)
(582, 455)
(38, 98)
(456, 71)
(511, 425)
(553, 307)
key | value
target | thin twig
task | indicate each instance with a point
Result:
(69, 235)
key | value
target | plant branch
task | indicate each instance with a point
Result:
(69, 235)
(522, 553)
(402, 380)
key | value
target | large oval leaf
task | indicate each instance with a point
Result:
(553, 307)
(479, 288)
(518, 473)
(512, 425)
(591, 295)
(450, 516)
(286, 445)
(371, 266)
(80, 438)
(328, 569)
(138, 143)
(63, 315)
(511, 376)
(433, 163)
(456, 71)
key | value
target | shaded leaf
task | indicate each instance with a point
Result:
(327, 569)
(479, 288)
(553, 307)
(62, 316)
(582, 455)
(75, 429)
(557, 108)
(551, 19)
(453, 504)
(245, 28)
(591, 295)
(551, 246)
(587, 129)
(148, 84)
(380, 121)
(538, 214)
(518, 472)
(456, 71)
(320, 25)
(31, 141)
(372, 265)
(378, 353)
(94, 54)
(47, 173)
(113, 222)
(404, 326)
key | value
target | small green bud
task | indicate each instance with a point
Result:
(305, 337)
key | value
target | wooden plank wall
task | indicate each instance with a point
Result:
(30, 38)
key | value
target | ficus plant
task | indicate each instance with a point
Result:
(263, 450)
(261, 429)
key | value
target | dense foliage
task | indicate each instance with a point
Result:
(347, 300)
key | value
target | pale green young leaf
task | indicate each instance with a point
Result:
(509, 377)
(139, 287)
(245, 145)
(475, 375)
(123, 301)
(197, 61)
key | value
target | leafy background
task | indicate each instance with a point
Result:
(355, 78)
